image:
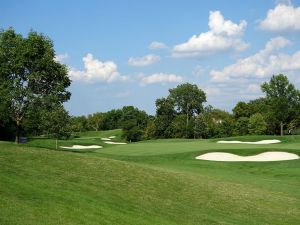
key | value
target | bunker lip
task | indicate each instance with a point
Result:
(262, 157)
(105, 139)
(81, 147)
(115, 143)
(263, 142)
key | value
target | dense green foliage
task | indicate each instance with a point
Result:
(29, 75)
(283, 100)
(257, 124)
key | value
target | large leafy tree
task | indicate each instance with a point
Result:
(57, 123)
(188, 100)
(165, 114)
(95, 121)
(134, 123)
(257, 124)
(282, 98)
(241, 110)
(29, 74)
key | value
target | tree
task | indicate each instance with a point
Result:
(224, 123)
(258, 105)
(204, 124)
(241, 126)
(165, 114)
(95, 121)
(201, 127)
(150, 130)
(112, 119)
(7, 126)
(29, 74)
(79, 123)
(283, 99)
(241, 110)
(134, 123)
(57, 123)
(257, 124)
(188, 100)
(178, 127)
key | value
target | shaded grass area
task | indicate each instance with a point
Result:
(153, 182)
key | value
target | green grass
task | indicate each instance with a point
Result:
(151, 182)
(97, 134)
(83, 138)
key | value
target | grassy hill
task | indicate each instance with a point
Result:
(152, 182)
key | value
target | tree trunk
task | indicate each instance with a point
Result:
(187, 120)
(281, 128)
(56, 143)
(18, 132)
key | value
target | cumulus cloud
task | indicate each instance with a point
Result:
(223, 35)
(161, 78)
(143, 61)
(253, 88)
(241, 80)
(61, 57)
(283, 18)
(96, 70)
(260, 65)
(157, 45)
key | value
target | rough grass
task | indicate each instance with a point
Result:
(153, 182)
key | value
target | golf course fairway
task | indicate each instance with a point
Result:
(151, 182)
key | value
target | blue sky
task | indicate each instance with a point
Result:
(131, 52)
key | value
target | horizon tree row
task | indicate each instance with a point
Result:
(33, 88)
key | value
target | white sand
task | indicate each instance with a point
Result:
(112, 137)
(262, 157)
(105, 139)
(115, 143)
(263, 142)
(82, 147)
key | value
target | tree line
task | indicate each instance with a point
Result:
(33, 88)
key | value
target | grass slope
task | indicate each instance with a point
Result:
(153, 182)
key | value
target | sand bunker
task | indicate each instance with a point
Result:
(262, 157)
(82, 147)
(112, 137)
(263, 142)
(115, 143)
(105, 139)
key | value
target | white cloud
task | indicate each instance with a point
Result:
(61, 57)
(284, 17)
(241, 80)
(143, 61)
(253, 88)
(157, 45)
(263, 64)
(212, 91)
(223, 35)
(161, 78)
(95, 70)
